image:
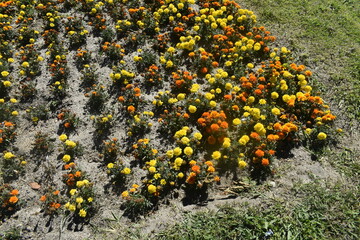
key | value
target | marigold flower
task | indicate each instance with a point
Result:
(188, 151)
(259, 153)
(192, 109)
(82, 213)
(63, 137)
(4, 73)
(126, 171)
(321, 136)
(66, 158)
(236, 121)
(197, 136)
(214, 127)
(185, 140)
(73, 192)
(216, 155)
(265, 162)
(177, 151)
(70, 144)
(152, 189)
(13, 199)
(8, 155)
(6, 83)
(242, 164)
(72, 207)
(178, 162)
(14, 192)
(43, 198)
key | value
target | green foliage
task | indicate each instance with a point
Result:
(328, 212)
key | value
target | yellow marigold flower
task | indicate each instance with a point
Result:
(244, 140)
(236, 121)
(216, 155)
(2, 100)
(126, 171)
(25, 64)
(275, 111)
(125, 194)
(286, 98)
(169, 64)
(301, 77)
(63, 137)
(321, 136)
(73, 192)
(82, 213)
(178, 162)
(162, 181)
(110, 165)
(170, 153)
(250, 65)
(262, 101)
(152, 163)
(188, 151)
(192, 162)
(90, 199)
(70, 144)
(66, 158)
(251, 99)
(79, 200)
(212, 104)
(192, 109)
(80, 184)
(274, 95)
(194, 88)
(5, 73)
(181, 96)
(180, 175)
(226, 143)
(6, 83)
(197, 136)
(151, 189)
(72, 207)
(152, 169)
(8, 155)
(177, 151)
(185, 140)
(242, 163)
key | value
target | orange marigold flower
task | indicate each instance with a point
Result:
(43, 198)
(211, 169)
(255, 135)
(14, 192)
(131, 109)
(265, 162)
(201, 121)
(224, 125)
(277, 126)
(259, 153)
(271, 152)
(214, 127)
(13, 199)
(196, 169)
